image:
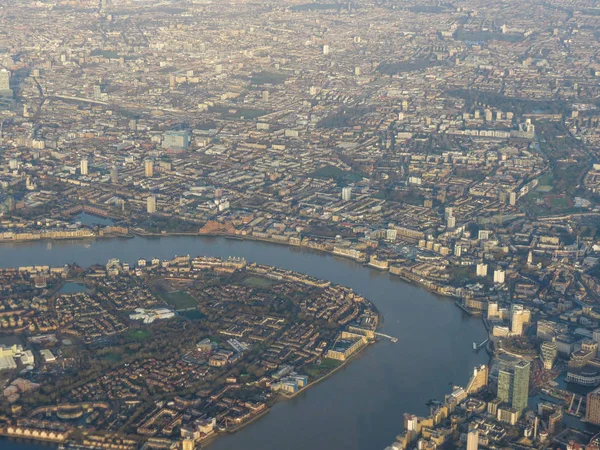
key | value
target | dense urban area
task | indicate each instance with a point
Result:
(452, 144)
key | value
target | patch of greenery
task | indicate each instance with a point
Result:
(258, 282)
(474, 98)
(406, 66)
(342, 118)
(342, 177)
(179, 300)
(484, 36)
(316, 371)
(138, 334)
(264, 77)
(105, 54)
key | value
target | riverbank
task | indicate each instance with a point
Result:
(358, 409)
(396, 271)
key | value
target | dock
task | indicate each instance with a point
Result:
(391, 338)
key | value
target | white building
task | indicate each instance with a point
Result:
(83, 167)
(482, 270)
(499, 276)
(347, 194)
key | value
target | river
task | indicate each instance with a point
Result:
(360, 407)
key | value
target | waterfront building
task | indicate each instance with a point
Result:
(492, 311)
(479, 380)
(513, 384)
(592, 411)
(188, 444)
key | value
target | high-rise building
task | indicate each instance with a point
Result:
(188, 444)
(177, 140)
(326, 49)
(151, 204)
(451, 222)
(517, 319)
(499, 276)
(492, 310)
(347, 194)
(265, 96)
(473, 438)
(83, 167)
(592, 410)
(5, 90)
(513, 384)
(114, 175)
(482, 270)
(457, 251)
(549, 351)
(149, 168)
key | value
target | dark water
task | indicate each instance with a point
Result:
(72, 288)
(91, 220)
(358, 408)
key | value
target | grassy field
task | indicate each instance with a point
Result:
(193, 314)
(315, 371)
(258, 282)
(139, 334)
(112, 356)
(179, 300)
(261, 78)
(558, 202)
(335, 173)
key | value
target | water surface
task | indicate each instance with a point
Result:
(359, 408)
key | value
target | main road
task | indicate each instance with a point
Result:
(360, 407)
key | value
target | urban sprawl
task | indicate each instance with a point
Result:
(454, 144)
